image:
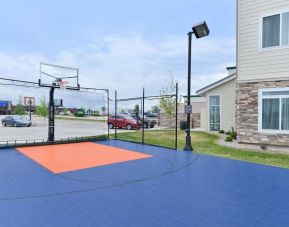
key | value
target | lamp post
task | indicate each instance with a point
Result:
(199, 30)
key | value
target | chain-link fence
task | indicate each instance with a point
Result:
(147, 119)
(79, 115)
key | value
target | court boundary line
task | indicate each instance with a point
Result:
(102, 187)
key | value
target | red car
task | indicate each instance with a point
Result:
(122, 121)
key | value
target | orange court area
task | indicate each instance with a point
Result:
(69, 157)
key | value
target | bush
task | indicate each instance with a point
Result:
(221, 131)
(79, 114)
(233, 135)
(263, 146)
(229, 139)
(228, 133)
(183, 125)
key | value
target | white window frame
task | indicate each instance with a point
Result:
(268, 14)
(260, 108)
(209, 128)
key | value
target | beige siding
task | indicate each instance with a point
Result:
(196, 107)
(227, 93)
(197, 104)
(253, 63)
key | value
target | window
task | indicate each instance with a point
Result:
(275, 30)
(270, 113)
(271, 31)
(214, 112)
(274, 110)
(285, 28)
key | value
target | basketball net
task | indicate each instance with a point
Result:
(63, 83)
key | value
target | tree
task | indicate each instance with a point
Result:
(19, 109)
(122, 110)
(155, 109)
(103, 109)
(136, 110)
(168, 104)
(42, 109)
(96, 113)
(83, 110)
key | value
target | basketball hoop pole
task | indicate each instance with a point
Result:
(51, 115)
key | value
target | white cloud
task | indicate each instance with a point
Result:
(129, 63)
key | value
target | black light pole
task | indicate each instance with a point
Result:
(200, 30)
(188, 146)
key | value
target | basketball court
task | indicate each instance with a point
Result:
(116, 183)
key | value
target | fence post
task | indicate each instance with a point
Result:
(115, 112)
(107, 113)
(176, 129)
(143, 97)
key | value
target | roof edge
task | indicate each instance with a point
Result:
(216, 84)
(231, 67)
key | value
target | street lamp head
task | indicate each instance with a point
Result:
(201, 30)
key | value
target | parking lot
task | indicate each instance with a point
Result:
(63, 128)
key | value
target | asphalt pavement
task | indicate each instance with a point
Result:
(63, 129)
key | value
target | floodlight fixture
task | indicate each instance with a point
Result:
(201, 30)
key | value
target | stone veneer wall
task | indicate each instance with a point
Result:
(196, 120)
(247, 114)
(166, 121)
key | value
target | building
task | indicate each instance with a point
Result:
(262, 104)
(198, 106)
(198, 103)
(5, 107)
(220, 99)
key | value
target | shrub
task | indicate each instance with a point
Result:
(228, 133)
(183, 125)
(79, 114)
(263, 146)
(233, 135)
(229, 139)
(221, 131)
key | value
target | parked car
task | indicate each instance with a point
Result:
(152, 115)
(16, 121)
(148, 122)
(122, 121)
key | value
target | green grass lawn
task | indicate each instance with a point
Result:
(71, 118)
(205, 143)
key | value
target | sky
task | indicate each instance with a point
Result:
(120, 45)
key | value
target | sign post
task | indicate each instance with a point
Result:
(188, 109)
(30, 102)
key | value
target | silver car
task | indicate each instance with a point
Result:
(16, 121)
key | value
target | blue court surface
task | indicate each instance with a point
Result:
(172, 188)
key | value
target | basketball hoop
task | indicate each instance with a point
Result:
(63, 83)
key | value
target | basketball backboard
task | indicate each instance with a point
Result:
(29, 100)
(58, 76)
